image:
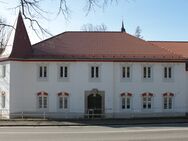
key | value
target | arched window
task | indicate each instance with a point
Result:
(147, 100)
(63, 100)
(168, 100)
(126, 100)
(42, 99)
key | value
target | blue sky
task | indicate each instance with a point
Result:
(158, 19)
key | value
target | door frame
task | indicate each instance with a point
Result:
(95, 91)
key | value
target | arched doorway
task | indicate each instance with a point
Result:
(94, 103)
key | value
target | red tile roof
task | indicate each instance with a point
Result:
(88, 46)
(106, 45)
(180, 48)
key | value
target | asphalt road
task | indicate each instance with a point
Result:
(95, 133)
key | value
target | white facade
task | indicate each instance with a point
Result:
(22, 83)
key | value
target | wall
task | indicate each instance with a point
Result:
(25, 85)
(5, 87)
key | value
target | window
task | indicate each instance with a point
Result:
(43, 72)
(63, 72)
(42, 100)
(3, 99)
(147, 100)
(95, 72)
(147, 72)
(126, 101)
(168, 100)
(3, 71)
(125, 72)
(63, 100)
(167, 72)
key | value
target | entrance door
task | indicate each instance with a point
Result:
(94, 105)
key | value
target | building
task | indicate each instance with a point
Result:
(82, 74)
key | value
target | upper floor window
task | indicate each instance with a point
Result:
(168, 72)
(168, 100)
(94, 72)
(147, 100)
(126, 101)
(147, 72)
(126, 72)
(42, 100)
(63, 72)
(63, 100)
(43, 72)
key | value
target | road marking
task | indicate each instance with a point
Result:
(94, 132)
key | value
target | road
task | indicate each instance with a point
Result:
(95, 133)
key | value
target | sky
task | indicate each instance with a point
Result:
(158, 19)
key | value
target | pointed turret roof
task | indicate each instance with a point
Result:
(21, 47)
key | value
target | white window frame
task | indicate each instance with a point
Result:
(3, 100)
(167, 78)
(63, 96)
(123, 98)
(43, 106)
(95, 78)
(123, 76)
(168, 106)
(3, 71)
(63, 78)
(149, 72)
(148, 102)
(42, 75)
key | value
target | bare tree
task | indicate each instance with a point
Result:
(32, 10)
(3, 32)
(90, 27)
(138, 32)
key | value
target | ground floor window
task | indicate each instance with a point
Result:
(126, 100)
(42, 99)
(63, 100)
(168, 100)
(3, 99)
(147, 100)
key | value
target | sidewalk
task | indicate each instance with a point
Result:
(92, 122)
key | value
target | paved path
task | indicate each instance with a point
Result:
(95, 133)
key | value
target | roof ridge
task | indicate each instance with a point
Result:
(79, 32)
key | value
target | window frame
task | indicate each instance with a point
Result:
(3, 100)
(59, 72)
(39, 73)
(3, 68)
(168, 79)
(168, 96)
(122, 66)
(149, 101)
(123, 98)
(42, 95)
(96, 67)
(149, 72)
(63, 95)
